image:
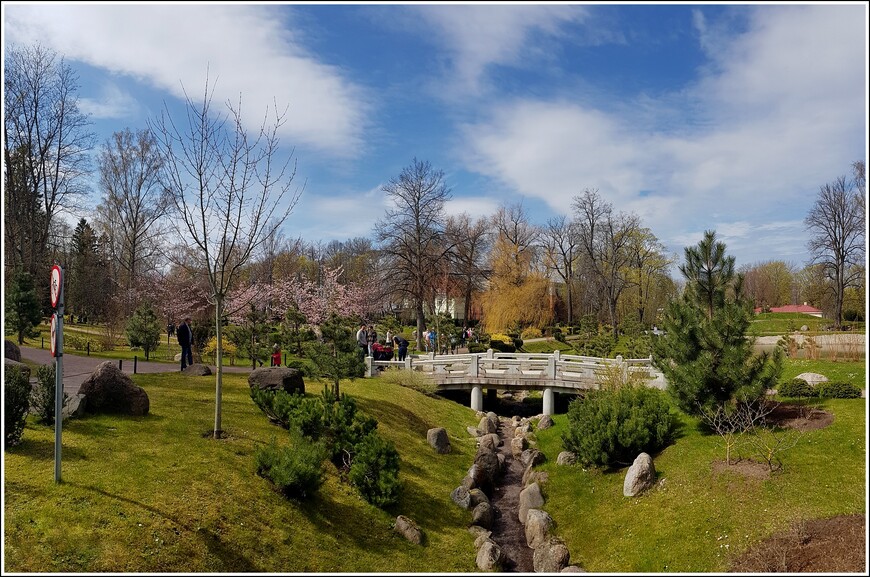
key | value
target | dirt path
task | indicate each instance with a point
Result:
(507, 531)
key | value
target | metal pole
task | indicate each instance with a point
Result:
(58, 386)
(135, 362)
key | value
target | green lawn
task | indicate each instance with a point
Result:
(696, 520)
(152, 494)
(854, 372)
(784, 323)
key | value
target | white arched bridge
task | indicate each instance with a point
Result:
(553, 372)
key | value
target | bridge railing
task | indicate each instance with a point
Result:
(523, 366)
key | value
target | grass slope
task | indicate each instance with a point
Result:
(152, 494)
(697, 520)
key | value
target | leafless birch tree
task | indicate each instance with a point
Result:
(230, 190)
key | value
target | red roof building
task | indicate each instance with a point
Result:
(804, 308)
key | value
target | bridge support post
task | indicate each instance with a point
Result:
(370, 366)
(408, 362)
(476, 398)
(548, 401)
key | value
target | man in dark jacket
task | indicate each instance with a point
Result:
(185, 339)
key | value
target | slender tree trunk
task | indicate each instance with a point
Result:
(421, 323)
(219, 373)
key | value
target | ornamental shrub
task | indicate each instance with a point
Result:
(42, 399)
(375, 470)
(796, 388)
(609, 428)
(838, 390)
(16, 403)
(531, 333)
(476, 348)
(298, 471)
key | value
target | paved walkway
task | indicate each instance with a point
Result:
(77, 368)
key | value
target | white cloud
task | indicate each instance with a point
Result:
(475, 207)
(113, 103)
(337, 217)
(782, 112)
(476, 37)
(248, 50)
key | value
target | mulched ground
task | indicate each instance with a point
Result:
(800, 417)
(834, 545)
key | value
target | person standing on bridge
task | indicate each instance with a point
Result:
(401, 345)
(185, 339)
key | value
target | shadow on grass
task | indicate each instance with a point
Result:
(231, 560)
(43, 450)
(335, 519)
(397, 416)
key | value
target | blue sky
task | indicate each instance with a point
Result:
(706, 116)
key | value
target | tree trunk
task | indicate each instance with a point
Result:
(421, 324)
(219, 373)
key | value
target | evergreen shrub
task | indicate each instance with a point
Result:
(838, 390)
(16, 403)
(375, 470)
(797, 388)
(42, 398)
(610, 427)
(298, 471)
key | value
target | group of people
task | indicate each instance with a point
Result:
(368, 344)
(366, 338)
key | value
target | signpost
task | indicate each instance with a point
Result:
(57, 353)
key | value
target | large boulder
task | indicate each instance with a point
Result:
(476, 497)
(277, 379)
(109, 390)
(11, 351)
(488, 557)
(74, 406)
(487, 426)
(551, 556)
(9, 363)
(197, 370)
(566, 458)
(486, 470)
(538, 526)
(482, 515)
(490, 441)
(640, 476)
(813, 378)
(461, 497)
(545, 422)
(438, 440)
(518, 445)
(530, 498)
(409, 530)
(532, 457)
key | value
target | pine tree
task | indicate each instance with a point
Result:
(22, 308)
(704, 352)
(143, 330)
(335, 354)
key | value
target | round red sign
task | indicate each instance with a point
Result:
(56, 285)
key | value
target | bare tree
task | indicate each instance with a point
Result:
(561, 241)
(133, 201)
(470, 240)
(230, 189)
(836, 223)
(649, 264)
(46, 145)
(605, 239)
(411, 233)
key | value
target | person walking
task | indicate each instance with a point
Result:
(362, 341)
(401, 345)
(185, 339)
(276, 355)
